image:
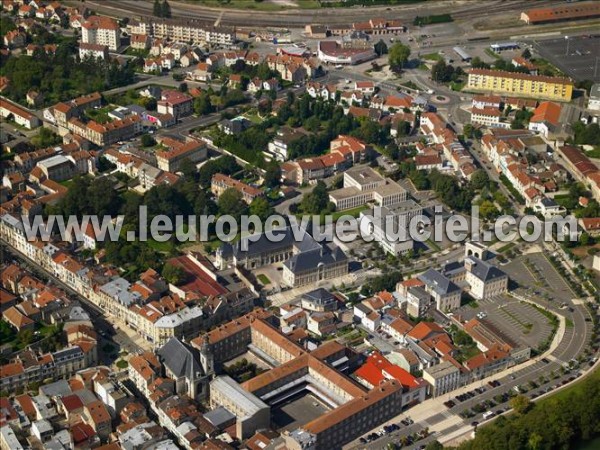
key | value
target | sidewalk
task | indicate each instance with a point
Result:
(423, 411)
(458, 436)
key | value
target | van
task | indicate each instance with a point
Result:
(488, 415)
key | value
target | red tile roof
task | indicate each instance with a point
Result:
(563, 12)
(547, 112)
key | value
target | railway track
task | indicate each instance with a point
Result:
(298, 18)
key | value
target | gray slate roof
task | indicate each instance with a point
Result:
(219, 416)
(301, 262)
(180, 359)
(438, 282)
(485, 271)
(319, 296)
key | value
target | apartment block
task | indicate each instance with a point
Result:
(220, 183)
(170, 160)
(183, 30)
(101, 30)
(443, 378)
(514, 83)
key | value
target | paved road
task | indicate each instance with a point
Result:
(101, 321)
(573, 343)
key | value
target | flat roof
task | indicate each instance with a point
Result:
(363, 175)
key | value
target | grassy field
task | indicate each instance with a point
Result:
(431, 244)
(594, 153)
(354, 212)
(99, 115)
(492, 53)
(506, 247)
(432, 57)
(263, 279)
(546, 67)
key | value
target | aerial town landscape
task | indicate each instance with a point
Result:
(170, 172)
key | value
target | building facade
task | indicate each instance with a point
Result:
(514, 83)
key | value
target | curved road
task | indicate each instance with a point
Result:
(573, 343)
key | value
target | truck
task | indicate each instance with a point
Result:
(488, 415)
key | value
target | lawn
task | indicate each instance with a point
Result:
(432, 57)
(409, 84)
(122, 364)
(457, 86)
(492, 53)
(506, 247)
(354, 212)
(67, 183)
(99, 115)
(253, 117)
(545, 66)
(594, 153)
(433, 245)
(263, 279)
(566, 392)
(162, 247)
(137, 52)
(48, 330)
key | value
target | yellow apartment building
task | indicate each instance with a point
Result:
(526, 85)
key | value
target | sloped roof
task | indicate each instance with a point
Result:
(180, 359)
(484, 270)
(438, 282)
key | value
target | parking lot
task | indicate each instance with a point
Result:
(515, 322)
(577, 56)
(536, 273)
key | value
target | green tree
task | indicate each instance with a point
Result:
(398, 55)
(381, 48)
(263, 72)
(147, 140)
(479, 179)
(149, 103)
(173, 274)
(157, 9)
(203, 104)
(312, 124)
(442, 72)
(165, 9)
(6, 25)
(520, 404)
(478, 63)
(46, 138)
(272, 176)
(260, 207)
(468, 130)
(105, 165)
(231, 202)
(317, 201)
(526, 54)
(488, 210)
(434, 445)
